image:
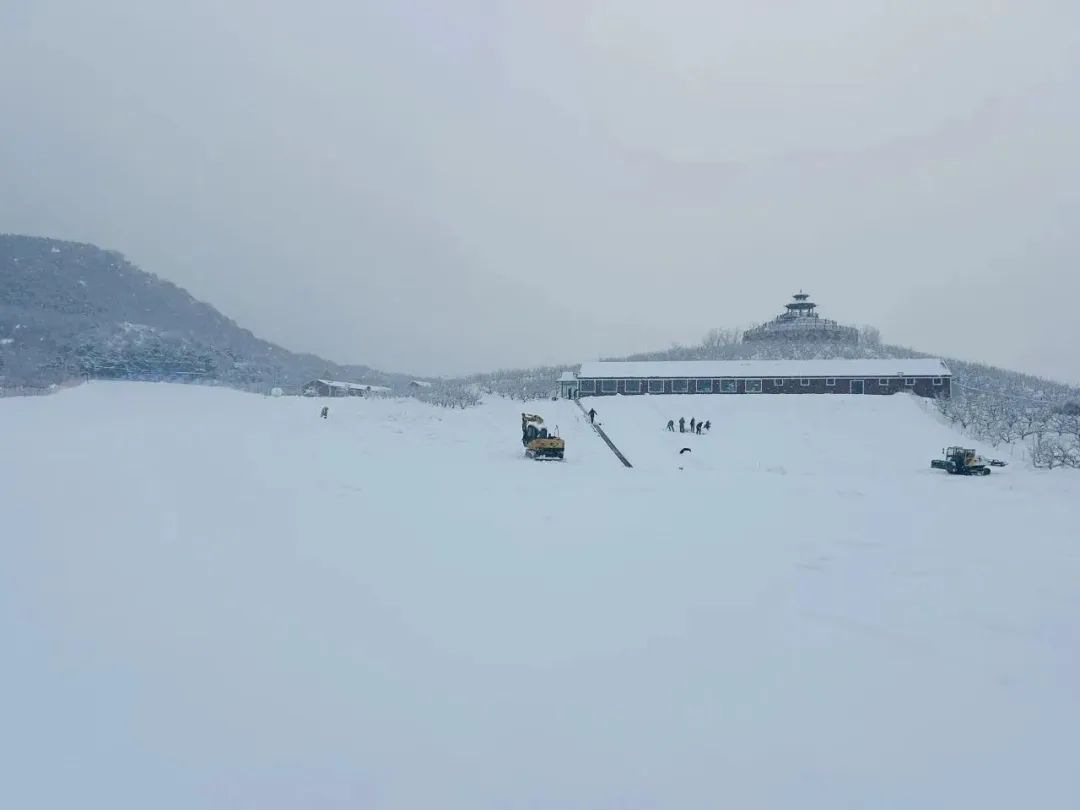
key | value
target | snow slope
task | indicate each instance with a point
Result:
(833, 435)
(216, 600)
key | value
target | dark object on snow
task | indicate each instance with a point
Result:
(671, 425)
(699, 427)
(539, 443)
(682, 425)
(592, 416)
(684, 450)
(964, 461)
(325, 412)
(691, 424)
(708, 425)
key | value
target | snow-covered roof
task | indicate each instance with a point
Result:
(568, 376)
(913, 367)
(353, 386)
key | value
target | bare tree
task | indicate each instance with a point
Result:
(870, 336)
(716, 338)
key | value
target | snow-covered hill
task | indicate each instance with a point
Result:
(836, 437)
(217, 600)
(70, 310)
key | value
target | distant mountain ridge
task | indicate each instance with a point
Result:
(71, 310)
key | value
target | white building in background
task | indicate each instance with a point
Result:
(336, 388)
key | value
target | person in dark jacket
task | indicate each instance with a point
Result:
(671, 425)
(592, 416)
(708, 425)
(325, 412)
(682, 424)
(699, 427)
(691, 424)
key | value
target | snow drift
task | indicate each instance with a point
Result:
(217, 600)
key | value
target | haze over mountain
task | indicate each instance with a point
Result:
(458, 187)
(69, 310)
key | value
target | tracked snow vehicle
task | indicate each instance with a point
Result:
(964, 461)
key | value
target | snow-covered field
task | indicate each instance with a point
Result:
(825, 435)
(216, 600)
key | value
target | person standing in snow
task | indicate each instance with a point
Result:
(708, 425)
(682, 424)
(671, 425)
(325, 412)
(699, 427)
(592, 416)
(691, 424)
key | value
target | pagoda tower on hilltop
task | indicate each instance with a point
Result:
(801, 323)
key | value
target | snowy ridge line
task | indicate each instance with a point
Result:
(604, 436)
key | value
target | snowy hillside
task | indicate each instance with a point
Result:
(70, 310)
(837, 437)
(211, 599)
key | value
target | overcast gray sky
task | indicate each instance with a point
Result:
(440, 187)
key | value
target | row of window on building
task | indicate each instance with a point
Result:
(728, 386)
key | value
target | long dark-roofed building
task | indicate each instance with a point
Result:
(923, 377)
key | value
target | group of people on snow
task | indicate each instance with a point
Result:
(696, 425)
